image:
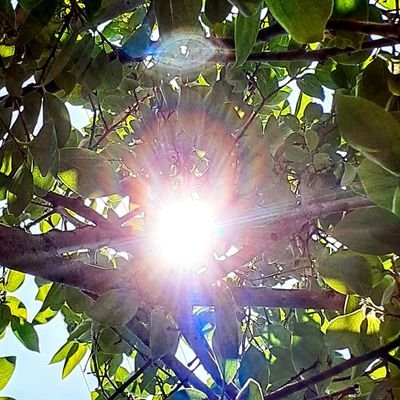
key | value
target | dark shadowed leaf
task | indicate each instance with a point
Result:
(246, 29)
(348, 272)
(76, 299)
(5, 317)
(38, 17)
(250, 391)
(310, 85)
(247, 7)
(308, 347)
(163, 334)
(21, 191)
(254, 365)
(44, 148)
(370, 231)
(87, 172)
(177, 14)
(304, 20)
(217, 10)
(55, 109)
(380, 185)
(371, 130)
(115, 307)
(226, 336)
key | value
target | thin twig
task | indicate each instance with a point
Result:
(329, 373)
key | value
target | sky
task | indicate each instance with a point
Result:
(33, 377)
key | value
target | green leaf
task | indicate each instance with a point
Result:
(96, 72)
(114, 75)
(188, 394)
(295, 154)
(43, 183)
(44, 147)
(313, 112)
(38, 17)
(7, 367)
(111, 343)
(356, 9)
(62, 353)
(115, 307)
(304, 20)
(5, 119)
(380, 185)
(217, 10)
(62, 59)
(310, 85)
(73, 358)
(308, 347)
(312, 139)
(177, 14)
(6, 51)
(348, 272)
(247, 7)
(25, 333)
(246, 29)
(349, 174)
(254, 365)
(14, 76)
(87, 172)
(14, 280)
(374, 82)
(76, 299)
(371, 130)
(163, 334)
(28, 118)
(370, 231)
(17, 308)
(226, 336)
(51, 305)
(250, 391)
(21, 191)
(5, 317)
(55, 109)
(344, 330)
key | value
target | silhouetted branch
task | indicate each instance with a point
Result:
(329, 373)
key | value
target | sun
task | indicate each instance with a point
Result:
(185, 233)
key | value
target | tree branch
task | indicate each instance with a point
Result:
(319, 55)
(291, 298)
(75, 204)
(386, 30)
(329, 373)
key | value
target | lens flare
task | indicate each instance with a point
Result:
(184, 51)
(185, 233)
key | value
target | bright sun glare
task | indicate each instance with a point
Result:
(186, 233)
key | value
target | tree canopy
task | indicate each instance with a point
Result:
(281, 117)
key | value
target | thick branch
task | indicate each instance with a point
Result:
(39, 255)
(329, 373)
(291, 298)
(75, 204)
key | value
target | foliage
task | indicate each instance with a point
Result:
(282, 114)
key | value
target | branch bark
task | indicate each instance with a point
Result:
(41, 255)
(329, 373)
